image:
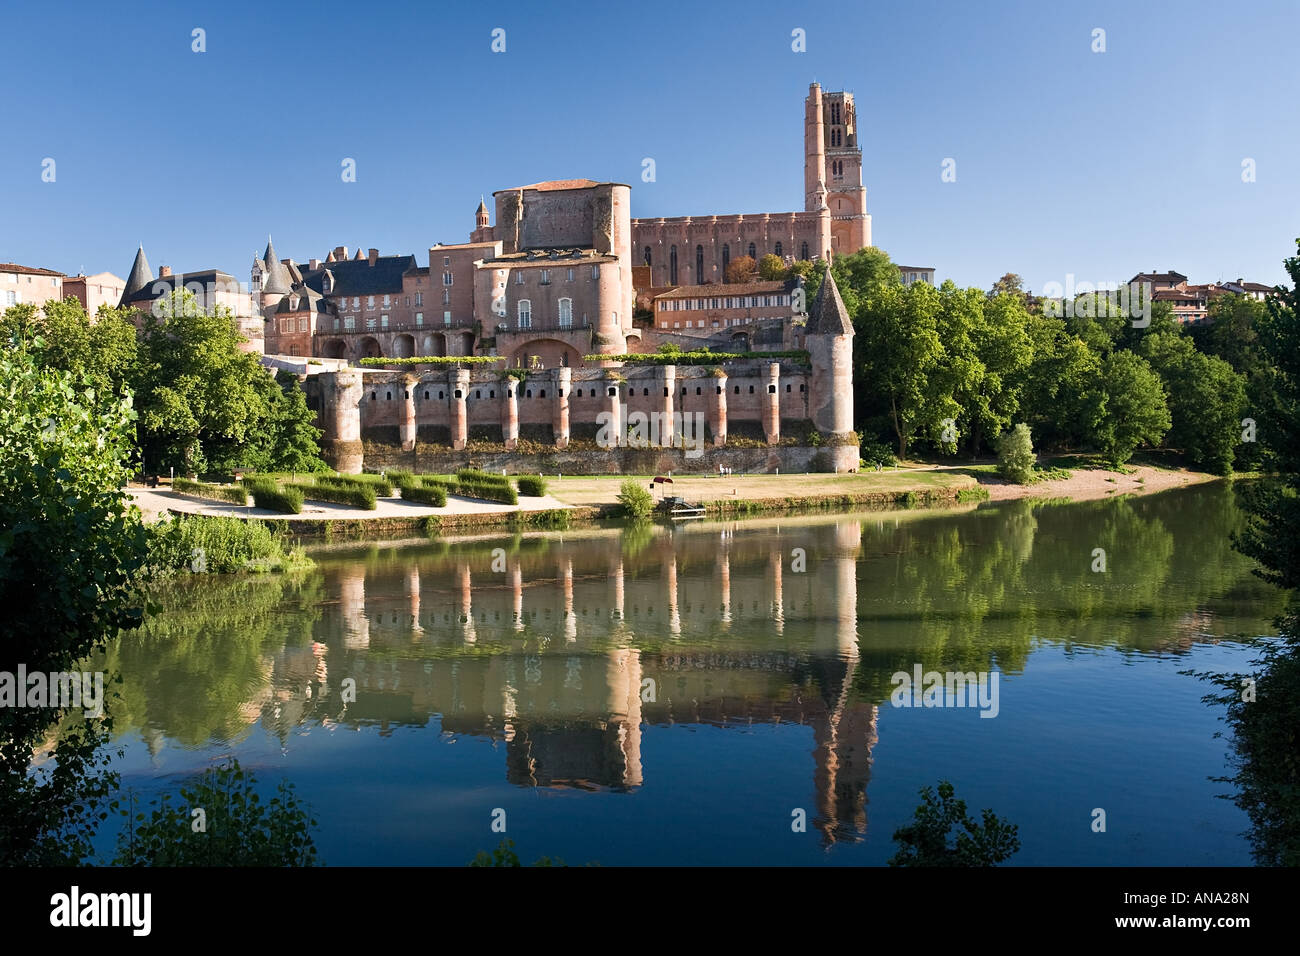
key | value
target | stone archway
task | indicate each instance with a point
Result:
(369, 348)
(403, 345)
(434, 343)
(740, 342)
(335, 349)
(549, 353)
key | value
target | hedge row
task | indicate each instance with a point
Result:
(481, 477)
(488, 491)
(699, 357)
(432, 494)
(382, 486)
(534, 486)
(356, 495)
(434, 360)
(286, 500)
(233, 494)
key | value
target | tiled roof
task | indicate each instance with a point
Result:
(555, 184)
(732, 289)
(27, 270)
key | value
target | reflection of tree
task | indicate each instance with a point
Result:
(195, 672)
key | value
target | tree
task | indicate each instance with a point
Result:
(1133, 407)
(72, 558)
(102, 349)
(1054, 388)
(1010, 284)
(898, 357)
(1206, 399)
(741, 269)
(926, 841)
(1016, 454)
(771, 268)
(637, 502)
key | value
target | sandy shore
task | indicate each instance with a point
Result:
(1090, 484)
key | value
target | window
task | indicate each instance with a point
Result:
(595, 272)
(370, 321)
(370, 302)
(699, 264)
(566, 313)
(525, 314)
(647, 256)
(293, 350)
(356, 302)
(672, 265)
(546, 277)
(753, 251)
(803, 252)
(383, 321)
(446, 296)
(419, 318)
(446, 278)
(726, 258)
(446, 260)
(446, 318)
(569, 277)
(387, 301)
(519, 277)
(779, 251)
(419, 298)
(336, 323)
(349, 323)
(303, 324)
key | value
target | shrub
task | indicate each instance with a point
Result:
(356, 495)
(534, 486)
(399, 475)
(287, 500)
(636, 500)
(926, 841)
(382, 486)
(241, 829)
(875, 453)
(481, 477)
(488, 491)
(218, 546)
(1016, 454)
(234, 494)
(435, 495)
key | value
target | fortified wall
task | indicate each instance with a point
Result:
(599, 420)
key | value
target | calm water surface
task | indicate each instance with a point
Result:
(673, 696)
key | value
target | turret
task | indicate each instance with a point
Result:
(141, 276)
(829, 340)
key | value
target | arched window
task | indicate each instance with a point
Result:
(699, 265)
(803, 252)
(672, 265)
(647, 256)
(753, 251)
(778, 249)
(726, 259)
(525, 314)
(566, 313)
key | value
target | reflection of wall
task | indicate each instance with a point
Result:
(562, 688)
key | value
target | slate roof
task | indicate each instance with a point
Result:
(828, 315)
(155, 288)
(277, 279)
(356, 277)
(141, 276)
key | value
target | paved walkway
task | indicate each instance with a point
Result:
(156, 501)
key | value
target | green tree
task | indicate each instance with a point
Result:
(771, 268)
(72, 557)
(1010, 284)
(1206, 399)
(1133, 407)
(1055, 388)
(927, 841)
(101, 349)
(637, 502)
(1016, 454)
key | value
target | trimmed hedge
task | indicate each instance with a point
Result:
(488, 491)
(357, 495)
(481, 477)
(534, 486)
(434, 360)
(382, 486)
(399, 475)
(433, 494)
(286, 500)
(231, 494)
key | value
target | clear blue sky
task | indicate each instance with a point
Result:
(1067, 161)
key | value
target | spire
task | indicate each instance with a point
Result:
(141, 275)
(828, 315)
(276, 282)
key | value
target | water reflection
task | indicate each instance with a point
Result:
(566, 649)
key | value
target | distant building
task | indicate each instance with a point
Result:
(917, 274)
(210, 287)
(1190, 302)
(27, 284)
(1161, 281)
(103, 288)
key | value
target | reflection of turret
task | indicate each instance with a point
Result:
(774, 562)
(670, 578)
(570, 619)
(413, 598)
(465, 592)
(352, 598)
(517, 594)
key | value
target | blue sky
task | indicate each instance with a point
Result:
(1068, 161)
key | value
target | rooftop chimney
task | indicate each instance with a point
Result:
(164, 271)
(340, 252)
(372, 255)
(313, 264)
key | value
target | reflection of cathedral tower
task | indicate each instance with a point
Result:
(846, 733)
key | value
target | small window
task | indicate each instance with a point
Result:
(771, 390)
(426, 395)
(459, 394)
(372, 396)
(787, 387)
(738, 390)
(388, 396)
(751, 390)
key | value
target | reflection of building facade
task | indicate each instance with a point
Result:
(565, 686)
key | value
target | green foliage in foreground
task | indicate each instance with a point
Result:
(505, 855)
(73, 552)
(203, 544)
(232, 494)
(927, 841)
(1016, 454)
(236, 827)
(636, 500)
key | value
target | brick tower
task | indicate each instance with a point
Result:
(833, 168)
